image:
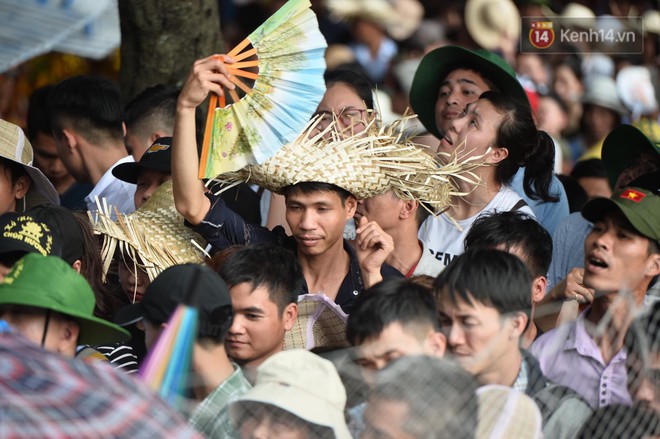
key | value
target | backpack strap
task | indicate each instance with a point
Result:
(519, 205)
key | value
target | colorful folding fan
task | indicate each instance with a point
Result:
(288, 52)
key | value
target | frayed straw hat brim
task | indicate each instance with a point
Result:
(154, 236)
(365, 164)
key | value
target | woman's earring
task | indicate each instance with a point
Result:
(24, 208)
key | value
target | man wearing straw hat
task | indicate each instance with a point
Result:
(316, 209)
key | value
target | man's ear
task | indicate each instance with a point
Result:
(437, 342)
(539, 284)
(351, 205)
(156, 135)
(653, 266)
(497, 155)
(77, 265)
(518, 323)
(21, 186)
(70, 139)
(408, 209)
(290, 315)
(68, 337)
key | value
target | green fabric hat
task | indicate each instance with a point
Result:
(640, 206)
(50, 283)
(622, 145)
(437, 64)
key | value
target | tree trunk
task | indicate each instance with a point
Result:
(160, 39)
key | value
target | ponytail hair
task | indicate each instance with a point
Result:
(527, 147)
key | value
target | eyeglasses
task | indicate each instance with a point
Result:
(347, 117)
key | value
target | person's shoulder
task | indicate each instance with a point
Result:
(554, 339)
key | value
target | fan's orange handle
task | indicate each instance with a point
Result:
(208, 132)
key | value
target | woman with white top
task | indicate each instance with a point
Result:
(502, 132)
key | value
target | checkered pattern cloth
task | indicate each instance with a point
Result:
(45, 395)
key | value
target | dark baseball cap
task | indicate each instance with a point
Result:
(158, 157)
(21, 233)
(66, 228)
(182, 284)
(639, 203)
(623, 145)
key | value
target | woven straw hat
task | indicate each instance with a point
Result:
(489, 21)
(365, 164)
(399, 18)
(154, 236)
(321, 323)
(16, 147)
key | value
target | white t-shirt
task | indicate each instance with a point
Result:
(445, 241)
(118, 194)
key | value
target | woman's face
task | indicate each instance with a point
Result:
(474, 132)
(133, 280)
(342, 103)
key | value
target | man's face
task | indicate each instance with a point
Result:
(148, 181)
(460, 88)
(616, 257)
(384, 209)
(317, 219)
(385, 419)
(46, 158)
(151, 332)
(474, 133)
(478, 336)
(396, 341)
(258, 328)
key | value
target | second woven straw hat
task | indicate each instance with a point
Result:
(154, 236)
(366, 164)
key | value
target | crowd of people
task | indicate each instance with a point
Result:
(489, 272)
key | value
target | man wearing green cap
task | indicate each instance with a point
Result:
(622, 256)
(627, 155)
(451, 77)
(47, 302)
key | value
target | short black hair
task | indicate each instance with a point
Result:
(510, 230)
(441, 396)
(154, 106)
(357, 81)
(589, 168)
(268, 265)
(38, 119)
(492, 277)
(577, 196)
(314, 186)
(390, 301)
(91, 105)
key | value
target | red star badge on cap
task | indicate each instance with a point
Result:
(633, 195)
